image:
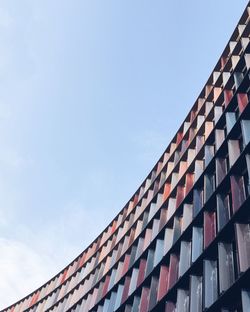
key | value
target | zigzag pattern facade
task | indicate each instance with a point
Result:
(182, 242)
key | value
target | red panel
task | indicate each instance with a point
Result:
(228, 94)
(64, 276)
(163, 282)
(113, 227)
(34, 298)
(242, 101)
(144, 300)
(126, 264)
(209, 227)
(173, 270)
(126, 289)
(189, 182)
(166, 192)
(82, 260)
(135, 200)
(179, 196)
(105, 286)
(183, 168)
(141, 272)
(179, 138)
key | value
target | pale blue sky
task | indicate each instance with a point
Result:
(91, 93)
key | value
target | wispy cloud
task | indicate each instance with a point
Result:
(22, 270)
(28, 262)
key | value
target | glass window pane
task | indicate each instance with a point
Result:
(226, 266)
(210, 283)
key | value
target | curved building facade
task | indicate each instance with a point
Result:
(182, 242)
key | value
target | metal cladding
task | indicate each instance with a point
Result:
(182, 242)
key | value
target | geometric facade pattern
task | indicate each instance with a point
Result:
(182, 242)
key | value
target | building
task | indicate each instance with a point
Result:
(182, 242)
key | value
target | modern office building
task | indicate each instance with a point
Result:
(182, 242)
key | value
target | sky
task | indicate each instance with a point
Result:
(91, 93)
